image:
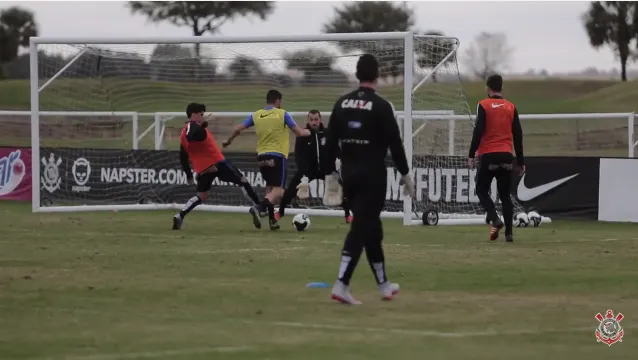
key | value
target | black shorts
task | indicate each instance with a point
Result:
(494, 165)
(225, 172)
(273, 169)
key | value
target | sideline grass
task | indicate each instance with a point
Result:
(550, 96)
(585, 137)
(122, 286)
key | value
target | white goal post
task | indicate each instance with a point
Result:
(125, 77)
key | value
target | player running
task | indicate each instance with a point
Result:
(198, 145)
(310, 157)
(497, 131)
(272, 152)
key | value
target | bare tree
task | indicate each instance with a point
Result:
(489, 54)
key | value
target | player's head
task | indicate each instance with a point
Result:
(367, 69)
(494, 84)
(195, 111)
(314, 119)
(273, 98)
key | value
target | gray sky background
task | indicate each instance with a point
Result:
(545, 35)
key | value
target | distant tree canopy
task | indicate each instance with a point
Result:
(16, 27)
(200, 16)
(488, 54)
(316, 65)
(245, 69)
(384, 16)
(371, 16)
(172, 62)
(613, 23)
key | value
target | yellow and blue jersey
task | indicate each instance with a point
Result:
(271, 125)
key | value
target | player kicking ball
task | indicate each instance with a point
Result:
(272, 125)
(310, 157)
(198, 145)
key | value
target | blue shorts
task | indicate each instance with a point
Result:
(273, 168)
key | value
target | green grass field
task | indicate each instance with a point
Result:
(123, 286)
(585, 137)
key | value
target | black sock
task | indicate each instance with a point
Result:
(251, 193)
(350, 255)
(346, 207)
(266, 205)
(374, 250)
(263, 205)
(271, 212)
(508, 216)
(488, 206)
(376, 259)
(190, 205)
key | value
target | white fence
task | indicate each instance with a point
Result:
(157, 121)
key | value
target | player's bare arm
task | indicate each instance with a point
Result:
(299, 131)
(236, 131)
(292, 125)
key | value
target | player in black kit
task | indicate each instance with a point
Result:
(364, 124)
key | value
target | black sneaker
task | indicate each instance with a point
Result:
(177, 222)
(255, 214)
(509, 238)
(274, 224)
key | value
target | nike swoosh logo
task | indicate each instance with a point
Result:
(494, 106)
(526, 194)
(263, 116)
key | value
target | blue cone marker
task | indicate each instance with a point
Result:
(317, 285)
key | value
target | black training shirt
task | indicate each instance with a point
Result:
(364, 124)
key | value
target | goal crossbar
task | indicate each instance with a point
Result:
(371, 36)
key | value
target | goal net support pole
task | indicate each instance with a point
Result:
(408, 69)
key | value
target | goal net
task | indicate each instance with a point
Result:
(87, 162)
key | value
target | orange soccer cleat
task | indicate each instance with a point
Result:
(495, 229)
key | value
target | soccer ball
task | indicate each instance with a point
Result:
(534, 218)
(301, 222)
(521, 220)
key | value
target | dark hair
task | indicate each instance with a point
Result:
(193, 108)
(314, 112)
(495, 83)
(272, 96)
(367, 68)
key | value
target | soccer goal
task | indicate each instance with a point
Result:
(157, 77)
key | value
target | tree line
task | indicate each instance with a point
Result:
(611, 23)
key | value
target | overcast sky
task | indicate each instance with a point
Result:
(545, 35)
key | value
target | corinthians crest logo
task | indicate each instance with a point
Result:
(51, 175)
(609, 330)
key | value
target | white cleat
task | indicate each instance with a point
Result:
(341, 293)
(388, 290)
